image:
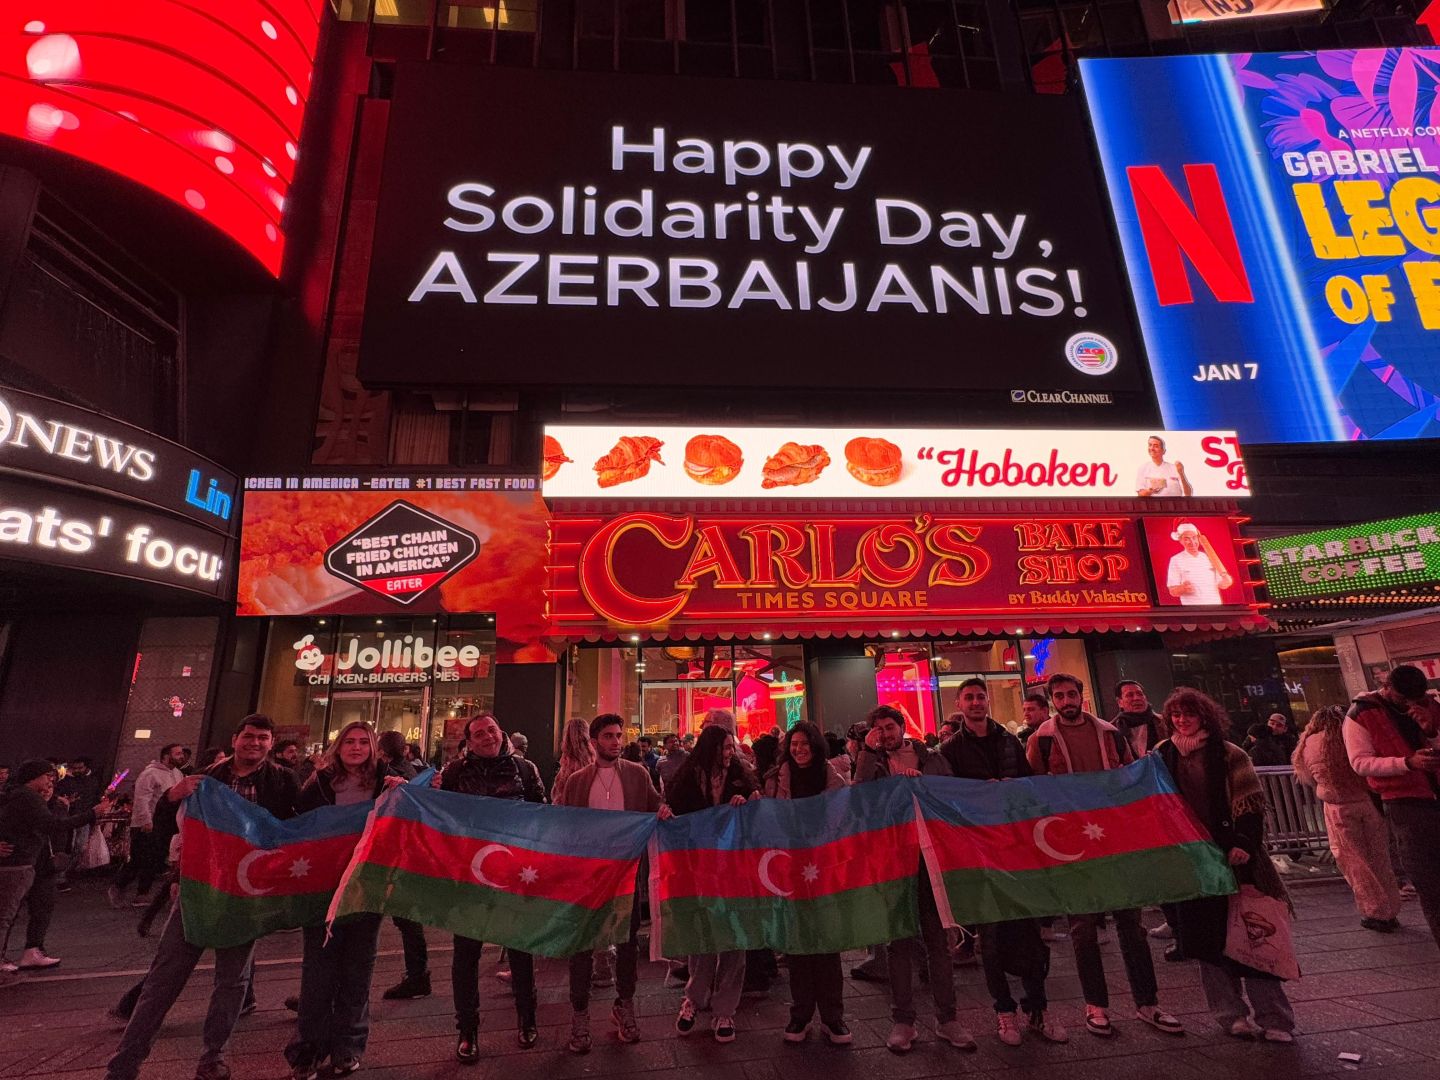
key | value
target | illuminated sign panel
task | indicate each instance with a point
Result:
(201, 102)
(852, 574)
(1193, 11)
(365, 544)
(1276, 215)
(1353, 558)
(709, 462)
(718, 233)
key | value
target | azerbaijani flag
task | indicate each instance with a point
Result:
(1060, 845)
(245, 874)
(551, 880)
(818, 875)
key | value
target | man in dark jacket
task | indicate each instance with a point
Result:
(1141, 725)
(983, 750)
(29, 828)
(250, 773)
(489, 768)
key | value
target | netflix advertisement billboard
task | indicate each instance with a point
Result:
(861, 574)
(1280, 215)
(692, 232)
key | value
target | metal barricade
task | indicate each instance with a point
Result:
(1294, 817)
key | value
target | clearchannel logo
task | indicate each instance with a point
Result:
(1091, 354)
(1059, 397)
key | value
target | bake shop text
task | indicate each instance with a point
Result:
(989, 267)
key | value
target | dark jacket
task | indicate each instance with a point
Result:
(320, 790)
(26, 822)
(1144, 730)
(275, 786)
(1271, 749)
(875, 764)
(504, 776)
(82, 791)
(687, 794)
(996, 755)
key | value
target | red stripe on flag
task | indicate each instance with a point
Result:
(230, 864)
(418, 848)
(1062, 839)
(869, 858)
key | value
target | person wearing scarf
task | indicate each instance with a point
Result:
(1219, 783)
(815, 980)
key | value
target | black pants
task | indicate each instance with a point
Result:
(906, 957)
(465, 984)
(1011, 946)
(816, 982)
(1416, 824)
(147, 859)
(334, 1014)
(39, 909)
(1134, 948)
(627, 954)
(417, 952)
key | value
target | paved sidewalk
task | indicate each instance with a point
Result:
(1372, 994)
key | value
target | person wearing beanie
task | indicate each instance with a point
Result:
(27, 826)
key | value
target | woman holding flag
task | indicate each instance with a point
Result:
(338, 962)
(815, 980)
(712, 776)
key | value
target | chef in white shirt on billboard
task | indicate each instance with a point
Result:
(1196, 574)
(1158, 477)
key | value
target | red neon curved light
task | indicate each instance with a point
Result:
(199, 100)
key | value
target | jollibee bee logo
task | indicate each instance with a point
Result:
(1091, 354)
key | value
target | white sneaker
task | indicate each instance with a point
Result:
(953, 1032)
(1007, 1029)
(1244, 1029)
(7, 968)
(1164, 931)
(1275, 1035)
(32, 959)
(902, 1037)
(1049, 1030)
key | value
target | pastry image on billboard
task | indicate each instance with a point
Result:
(554, 457)
(712, 459)
(629, 460)
(794, 464)
(873, 461)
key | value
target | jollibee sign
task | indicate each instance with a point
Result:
(642, 461)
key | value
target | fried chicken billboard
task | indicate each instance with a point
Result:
(662, 462)
(368, 545)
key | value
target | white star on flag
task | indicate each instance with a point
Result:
(811, 872)
(300, 867)
(1093, 831)
(529, 876)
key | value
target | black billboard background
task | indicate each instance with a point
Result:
(532, 133)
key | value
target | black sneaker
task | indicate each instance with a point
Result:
(344, 1066)
(409, 988)
(304, 1072)
(837, 1033)
(467, 1051)
(869, 971)
(292, 1003)
(527, 1036)
(795, 1031)
(1384, 926)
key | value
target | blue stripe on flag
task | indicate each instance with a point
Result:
(220, 809)
(983, 802)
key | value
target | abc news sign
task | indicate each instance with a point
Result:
(88, 492)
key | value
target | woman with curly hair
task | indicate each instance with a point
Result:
(1219, 783)
(1358, 835)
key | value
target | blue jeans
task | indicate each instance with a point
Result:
(175, 959)
(334, 1019)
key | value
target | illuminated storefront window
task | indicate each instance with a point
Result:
(421, 676)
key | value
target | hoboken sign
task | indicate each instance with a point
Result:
(653, 570)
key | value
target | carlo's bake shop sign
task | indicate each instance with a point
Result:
(651, 462)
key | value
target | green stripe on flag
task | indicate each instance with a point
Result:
(983, 894)
(529, 923)
(869, 915)
(218, 920)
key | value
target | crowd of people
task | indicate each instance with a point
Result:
(1374, 768)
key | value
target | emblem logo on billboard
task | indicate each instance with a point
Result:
(402, 553)
(1091, 354)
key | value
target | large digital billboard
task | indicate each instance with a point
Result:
(199, 101)
(1280, 215)
(719, 233)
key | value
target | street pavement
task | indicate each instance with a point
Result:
(1363, 993)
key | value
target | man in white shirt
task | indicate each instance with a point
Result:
(147, 848)
(1196, 574)
(1158, 477)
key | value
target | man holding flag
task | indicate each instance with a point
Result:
(251, 774)
(489, 768)
(609, 783)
